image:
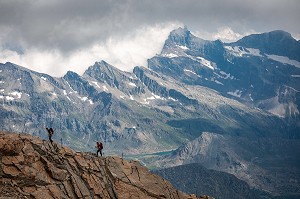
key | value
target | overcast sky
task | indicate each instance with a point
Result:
(54, 36)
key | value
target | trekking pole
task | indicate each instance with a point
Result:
(61, 142)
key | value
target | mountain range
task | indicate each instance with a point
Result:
(232, 107)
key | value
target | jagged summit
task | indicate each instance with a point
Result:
(104, 70)
(34, 168)
(102, 65)
(180, 36)
(70, 74)
(182, 43)
(106, 73)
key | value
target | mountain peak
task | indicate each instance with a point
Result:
(179, 36)
(181, 32)
(280, 33)
(15, 66)
(101, 63)
(71, 74)
(268, 37)
(102, 67)
(276, 42)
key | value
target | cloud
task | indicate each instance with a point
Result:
(71, 24)
(124, 52)
(36, 32)
(225, 34)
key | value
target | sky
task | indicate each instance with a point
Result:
(56, 36)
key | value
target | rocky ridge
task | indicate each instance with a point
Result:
(34, 168)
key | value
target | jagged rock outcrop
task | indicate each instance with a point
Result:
(34, 168)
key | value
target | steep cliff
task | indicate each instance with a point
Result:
(34, 168)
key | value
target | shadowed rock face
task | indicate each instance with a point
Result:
(33, 168)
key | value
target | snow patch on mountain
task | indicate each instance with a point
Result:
(8, 98)
(132, 84)
(226, 75)
(250, 96)
(170, 55)
(96, 83)
(145, 102)
(105, 88)
(230, 61)
(158, 97)
(284, 60)
(171, 98)
(206, 62)
(44, 78)
(71, 88)
(150, 98)
(183, 47)
(239, 51)
(218, 82)
(192, 72)
(17, 94)
(83, 98)
(236, 93)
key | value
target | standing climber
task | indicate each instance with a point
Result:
(50, 133)
(99, 148)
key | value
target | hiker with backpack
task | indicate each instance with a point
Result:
(50, 133)
(99, 148)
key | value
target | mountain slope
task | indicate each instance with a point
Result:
(194, 178)
(33, 168)
(269, 164)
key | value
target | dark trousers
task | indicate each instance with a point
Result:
(50, 138)
(99, 150)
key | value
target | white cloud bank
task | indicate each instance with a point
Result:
(123, 52)
(225, 34)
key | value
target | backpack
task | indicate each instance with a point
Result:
(100, 146)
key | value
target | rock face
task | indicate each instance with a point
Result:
(33, 168)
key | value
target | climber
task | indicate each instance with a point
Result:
(50, 133)
(99, 148)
